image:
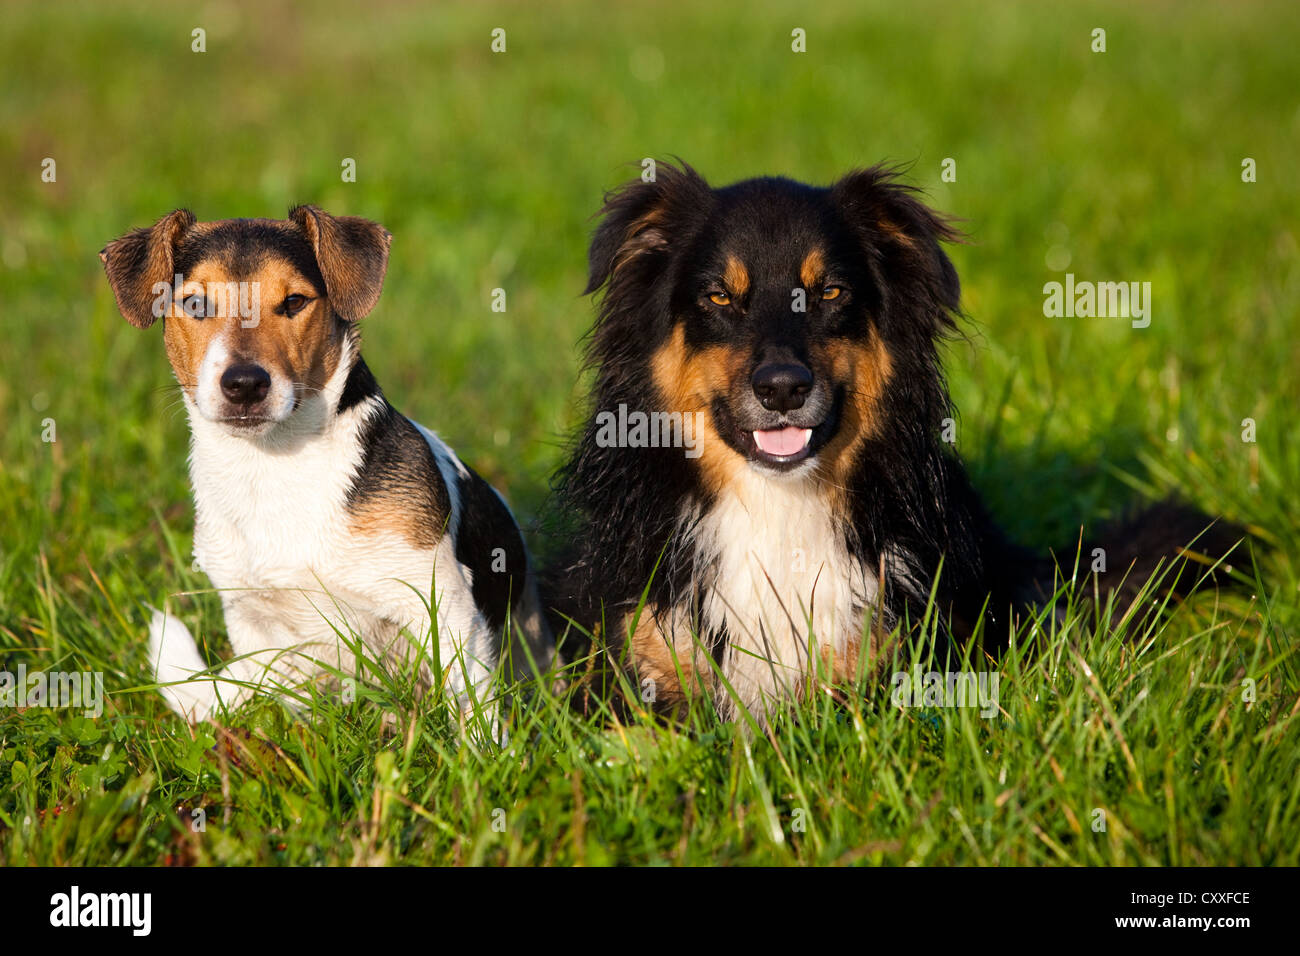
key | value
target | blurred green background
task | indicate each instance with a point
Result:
(487, 168)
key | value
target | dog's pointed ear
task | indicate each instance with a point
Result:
(640, 219)
(903, 236)
(352, 254)
(140, 262)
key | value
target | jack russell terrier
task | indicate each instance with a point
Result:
(322, 515)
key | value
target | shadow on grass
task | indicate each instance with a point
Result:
(1042, 495)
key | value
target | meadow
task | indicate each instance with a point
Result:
(1111, 746)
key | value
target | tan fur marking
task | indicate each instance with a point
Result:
(864, 370)
(736, 277)
(688, 382)
(640, 236)
(384, 514)
(894, 231)
(812, 270)
(852, 663)
(843, 667)
(653, 659)
(187, 339)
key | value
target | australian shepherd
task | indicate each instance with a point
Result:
(762, 494)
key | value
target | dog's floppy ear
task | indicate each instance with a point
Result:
(139, 261)
(903, 236)
(640, 219)
(352, 254)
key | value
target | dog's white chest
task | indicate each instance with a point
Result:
(268, 518)
(781, 582)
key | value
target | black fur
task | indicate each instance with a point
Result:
(242, 245)
(360, 385)
(396, 463)
(909, 502)
(489, 544)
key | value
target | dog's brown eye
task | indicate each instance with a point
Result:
(831, 292)
(720, 298)
(293, 303)
(196, 306)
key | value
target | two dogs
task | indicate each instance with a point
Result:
(814, 517)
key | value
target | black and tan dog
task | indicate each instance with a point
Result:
(320, 512)
(808, 511)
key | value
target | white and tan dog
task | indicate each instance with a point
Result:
(322, 515)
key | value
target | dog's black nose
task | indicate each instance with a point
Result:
(245, 384)
(782, 387)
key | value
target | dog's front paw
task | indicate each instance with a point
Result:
(175, 658)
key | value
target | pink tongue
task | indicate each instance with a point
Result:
(782, 441)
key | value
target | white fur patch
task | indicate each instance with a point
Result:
(175, 658)
(452, 470)
(207, 389)
(216, 359)
(781, 581)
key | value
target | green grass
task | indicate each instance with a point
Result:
(486, 168)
